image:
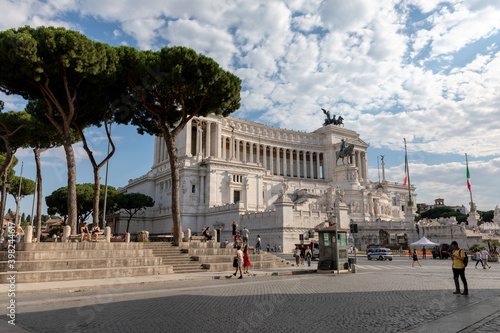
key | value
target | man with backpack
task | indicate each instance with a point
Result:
(460, 261)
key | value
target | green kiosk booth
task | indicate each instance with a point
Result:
(332, 240)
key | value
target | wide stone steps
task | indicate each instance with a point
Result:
(46, 265)
(41, 262)
(78, 254)
(208, 256)
(81, 274)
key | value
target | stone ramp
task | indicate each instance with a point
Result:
(196, 257)
(42, 262)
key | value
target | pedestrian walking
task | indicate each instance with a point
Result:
(478, 258)
(409, 253)
(234, 226)
(424, 253)
(308, 256)
(401, 251)
(246, 234)
(415, 258)
(485, 254)
(297, 256)
(268, 247)
(239, 262)
(258, 245)
(302, 256)
(246, 260)
(458, 257)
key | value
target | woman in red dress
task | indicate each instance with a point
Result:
(246, 260)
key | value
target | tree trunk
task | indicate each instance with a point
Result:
(174, 173)
(97, 195)
(70, 161)
(9, 157)
(39, 199)
(128, 222)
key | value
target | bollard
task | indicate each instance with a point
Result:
(353, 268)
(28, 234)
(187, 235)
(127, 238)
(214, 235)
(66, 234)
(143, 236)
(108, 234)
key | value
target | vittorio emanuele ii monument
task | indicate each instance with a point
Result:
(278, 183)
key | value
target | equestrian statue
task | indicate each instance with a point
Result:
(345, 151)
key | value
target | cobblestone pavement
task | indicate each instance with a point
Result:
(382, 297)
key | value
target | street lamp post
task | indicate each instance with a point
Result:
(333, 220)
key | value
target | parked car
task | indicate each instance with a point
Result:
(382, 253)
(442, 251)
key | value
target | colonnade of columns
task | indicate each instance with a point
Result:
(282, 161)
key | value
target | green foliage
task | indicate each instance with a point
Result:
(34, 57)
(133, 202)
(27, 187)
(57, 201)
(10, 122)
(438, 212)
(175, 84)
(23, 218)
(11, 172)
(28, 218)
(475, 247)
(487, 216)
(56, 230)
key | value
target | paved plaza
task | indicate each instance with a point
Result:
(381, 297)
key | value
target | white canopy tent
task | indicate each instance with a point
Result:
(423, 242)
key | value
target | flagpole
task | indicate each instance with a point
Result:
(410, 202)
(467, 165)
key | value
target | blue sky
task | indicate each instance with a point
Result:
(426, 70)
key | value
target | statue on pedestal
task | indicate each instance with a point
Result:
(329, 120)
(345, 151)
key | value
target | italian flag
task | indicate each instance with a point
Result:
(406, 171)
(468, 178)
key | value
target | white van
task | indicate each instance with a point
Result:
(381, 253)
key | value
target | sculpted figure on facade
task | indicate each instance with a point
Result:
(497, 212)
(339, 194)
(284, 188)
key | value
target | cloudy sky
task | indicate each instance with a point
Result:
(427, 70)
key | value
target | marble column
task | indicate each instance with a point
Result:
(199, 139)
(217, 139)
(231, 148)
(251, 152)
(207, 140)
(264, 157)
(365, 164)
(297, 164)
(278, 161)
(244, 145)
(318, 171)
(156, 151)
(189, 129)
(311, 165)
(258, 154)
(304, 163)
(271, 159)
(285, 163)
(223, 147)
